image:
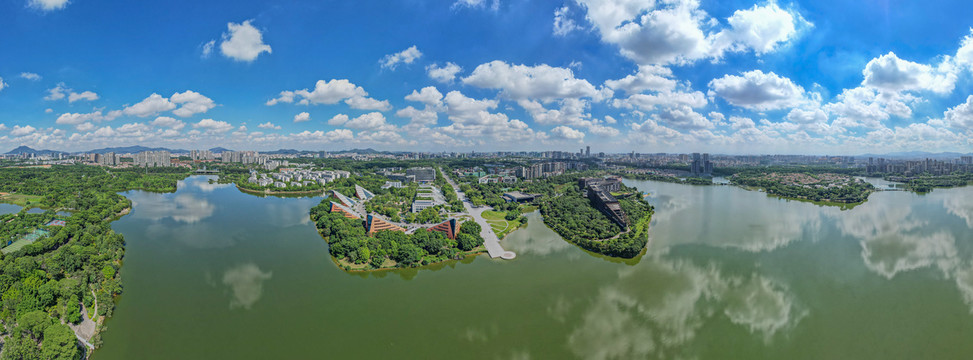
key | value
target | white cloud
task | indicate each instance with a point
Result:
(494, 4)
(60, 92)
(648, 77)
(192, 103)
(168, 122)
(866, 107)
(48, 111)
(304, 116)
(961, 116)
(338, 120)
(78, 118)
(649, 102)
(243, 42)
(150, 106)
(675, 32)
(682, 117)
(444, 74)
(208, 48)
(2, 84)
(371, 121)
(213, 126)
(563, 24)
(56, 93)
(891, 74)
(30, 76)
(406, 56)
(419, 118)
(325, 92)
(757, 90)
(47, 5)
(428, 95)
(761, 28)
(269, 126)
(542, 82)
(86, 95)
(568, 133)
(22, 130)
(367, 103)
(85, 126)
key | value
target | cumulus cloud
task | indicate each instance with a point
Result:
(150, 106)
(213, 126)
(891, 74)
(47, 5)
(22, 130)
(567, 133)
(168, 122)
(192, 103)
(79, 118)
(406, 56)
(269, 126)
(367, 103)
(85, 95)
(338, 120)
(304, 116)
(563, 24)
(648, 77)
(492, 4)
(428, 95)
(679, 32)
(30, 76)
(328, 93)
(542, 82)
(961, 116)
(444, 74)
(242, 42)
(757, 90)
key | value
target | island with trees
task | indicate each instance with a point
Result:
(61, 265)
(825, 188)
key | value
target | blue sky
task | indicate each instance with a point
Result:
(821, 77)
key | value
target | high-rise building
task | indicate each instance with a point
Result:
(701, 165)
(152, 158)
(107, 159)
(587, 151)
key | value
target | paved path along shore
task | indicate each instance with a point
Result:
(490, 239)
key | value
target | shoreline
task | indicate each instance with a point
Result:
(268, 192)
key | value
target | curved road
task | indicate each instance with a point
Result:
(490, 239)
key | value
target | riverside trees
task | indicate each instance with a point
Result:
(49, 278)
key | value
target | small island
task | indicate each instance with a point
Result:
(601, 215)
(826, 188)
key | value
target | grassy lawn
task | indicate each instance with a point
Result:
(494, 215)
(22, 200)
(17, 245)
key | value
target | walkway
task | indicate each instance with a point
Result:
(490, 239)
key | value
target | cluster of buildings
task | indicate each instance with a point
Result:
(296, 177)
(422, 175)
(152, 158)
(427, 196)
(374, 224)
(701, 166)
(599, 190)
(916, 167)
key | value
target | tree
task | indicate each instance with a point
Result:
(73, 312)
(60, 343)
(33, 324)
(20, 348)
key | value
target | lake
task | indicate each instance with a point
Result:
(213, 273)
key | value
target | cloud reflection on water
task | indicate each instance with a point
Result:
(658, 307)
(246, 284)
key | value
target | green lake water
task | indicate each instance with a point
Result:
(212, 273)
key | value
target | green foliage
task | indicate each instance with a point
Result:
(574, 218)
(41, 282)
(852, 192)
(348, 241)
(60, 343)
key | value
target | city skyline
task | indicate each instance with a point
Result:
(738, 77)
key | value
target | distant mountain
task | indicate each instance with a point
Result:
(360, 151)
(132, 150)
(284, 152)
(219, 150)
(915, 155)
(27, 150)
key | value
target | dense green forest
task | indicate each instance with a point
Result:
(574, 218)
(348, 242)
(852, 192)
(926, 183)
(44, 284)
(671, 179)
